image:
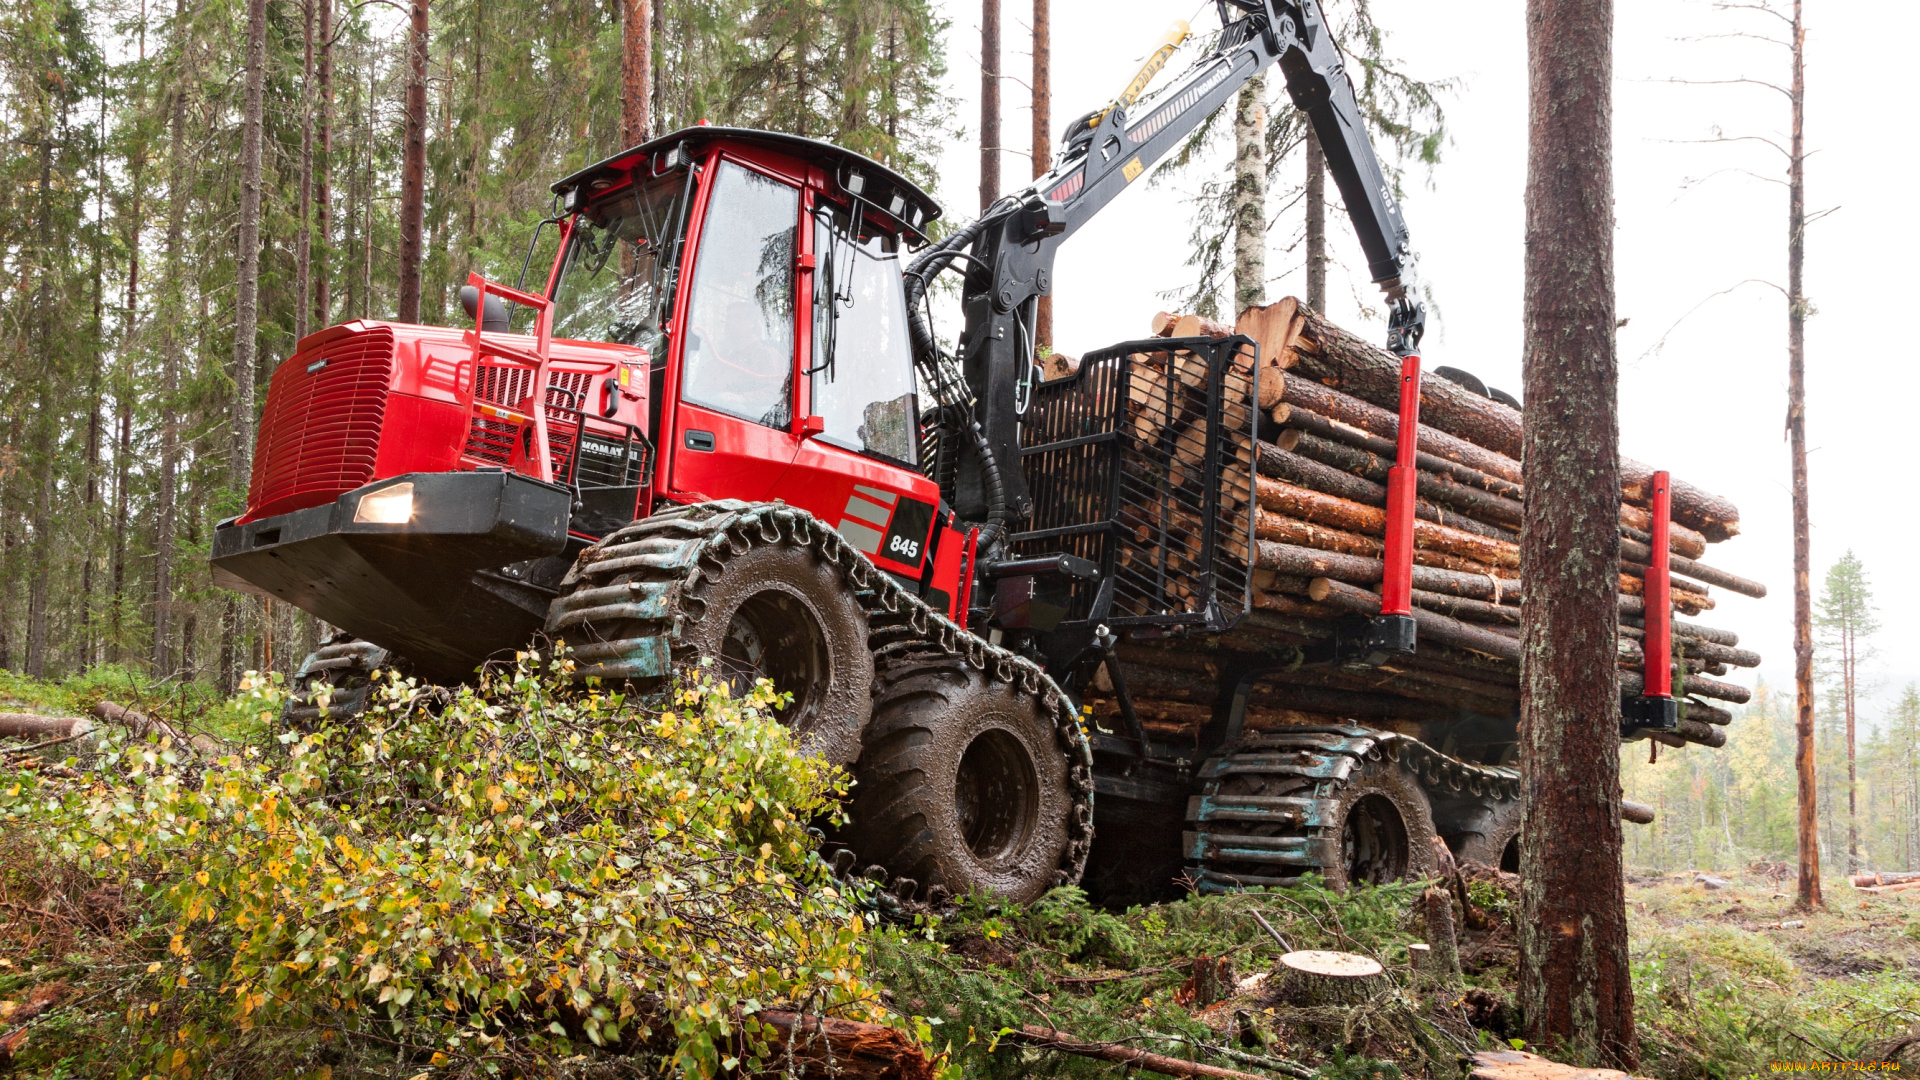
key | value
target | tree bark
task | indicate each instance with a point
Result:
(1348, 409)
(246, 327)
(1575, 991)
(1316, 199)
(303, 235)
(1250, 195)
(1043, 137)
(989, 103)
(1359, 369)
(413, 166)
(1059, 1041)
(636, 72)
(170, 363)
(1803, 757)
(323, 172)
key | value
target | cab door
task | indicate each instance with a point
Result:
(732, 434)
(857, 470)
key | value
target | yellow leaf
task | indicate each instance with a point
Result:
(377, 974)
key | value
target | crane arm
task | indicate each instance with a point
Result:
(1104, 152)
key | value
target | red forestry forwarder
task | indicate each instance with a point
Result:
(729, 433)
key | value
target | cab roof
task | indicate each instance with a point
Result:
(879, 186)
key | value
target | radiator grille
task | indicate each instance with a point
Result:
(1139, 463)
(508, 386)
(320, 431)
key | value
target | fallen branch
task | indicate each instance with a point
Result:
(43, 999)
(1040, 1038)
(1889, 877)
(846, 1048)
(143, 726)
(1902, 887)
(15, 725)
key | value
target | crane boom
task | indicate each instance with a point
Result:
(1010, 263)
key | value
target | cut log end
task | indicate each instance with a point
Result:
(1319, 977)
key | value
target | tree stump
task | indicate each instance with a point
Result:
(1318, 977)
(1211, 981)
(1443, 958)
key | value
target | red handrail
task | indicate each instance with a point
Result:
(539, 358)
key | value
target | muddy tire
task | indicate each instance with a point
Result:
(749, 590)
(1381, 829)
(964, 785)
(781, 613)
(1341, 801)
(1497, 844)
(346, 665)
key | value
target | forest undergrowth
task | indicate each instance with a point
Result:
(503, 880)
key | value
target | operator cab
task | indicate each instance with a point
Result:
(781, 321)
(761, 275)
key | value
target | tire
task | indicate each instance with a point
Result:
(748, 587)
(780, 612)
(346, 664)
(1380, 830)
(1497, 844)
(963, 785)
(1368, 824)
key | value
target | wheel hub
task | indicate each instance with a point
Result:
(995, 796)
(1374, 842)
(773, 635)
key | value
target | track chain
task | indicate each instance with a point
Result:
(346, 665)
(1290, 826)
(647, 578)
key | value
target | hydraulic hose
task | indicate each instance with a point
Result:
(926, 351)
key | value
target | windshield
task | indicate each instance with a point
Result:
(617, 281)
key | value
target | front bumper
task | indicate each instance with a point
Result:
(447, 588)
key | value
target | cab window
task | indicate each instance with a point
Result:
(739, 336)
(862, 373)
(616, 283)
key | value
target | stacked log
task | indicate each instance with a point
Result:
(1303, 507)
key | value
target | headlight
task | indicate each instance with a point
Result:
(388, 506)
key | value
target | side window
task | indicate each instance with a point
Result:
(739, 354)
(863, 364)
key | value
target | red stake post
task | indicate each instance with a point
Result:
(1396, 589)
(1658, 642)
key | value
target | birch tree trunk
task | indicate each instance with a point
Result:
(247, 293)
(1316, 200)
(323, 170)
(989, 103)
(1043, 136)
(1250, 195)
(170, 361)
(1575, 988)
(303, 236)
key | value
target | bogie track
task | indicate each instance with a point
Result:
(1007, 808)
(1356, 805)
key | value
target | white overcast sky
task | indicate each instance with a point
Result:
(1703, 379)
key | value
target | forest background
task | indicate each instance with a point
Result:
(121, 404)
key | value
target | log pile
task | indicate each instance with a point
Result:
(1303, 507)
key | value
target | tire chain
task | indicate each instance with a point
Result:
(670, 555)
(1328, 756)
(340, 660)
